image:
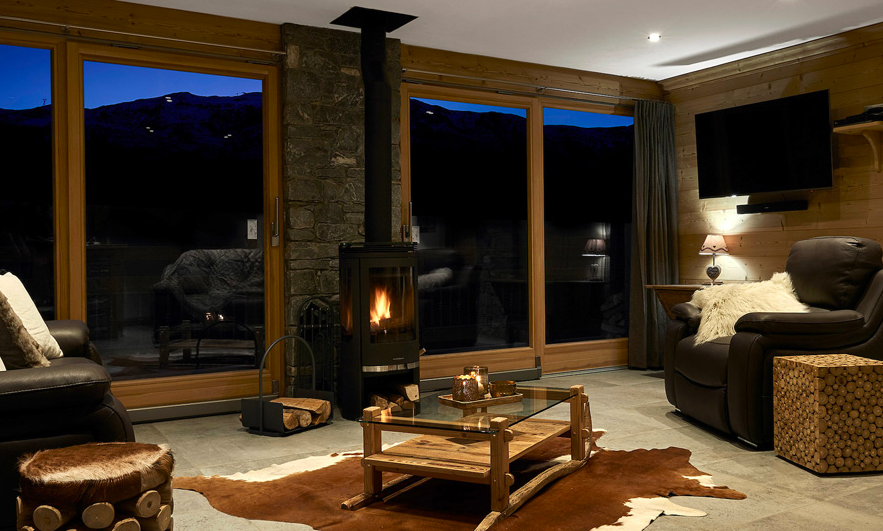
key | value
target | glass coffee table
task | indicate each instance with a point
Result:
(473, 442)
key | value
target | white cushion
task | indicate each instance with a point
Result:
(2, 367)
(722, 305)
(30, 317)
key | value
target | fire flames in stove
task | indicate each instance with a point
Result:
(380, 304)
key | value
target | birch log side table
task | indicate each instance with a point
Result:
(446, 447)
(828, 412)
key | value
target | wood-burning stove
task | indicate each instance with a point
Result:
(378, 279)
(378, 315)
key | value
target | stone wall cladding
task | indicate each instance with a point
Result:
(324, 158)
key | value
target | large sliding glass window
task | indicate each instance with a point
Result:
(174, 217)
(27, 236)
(469, 197)
(587, 176)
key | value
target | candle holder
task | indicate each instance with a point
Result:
(480, 374)
(502, 388)
(465, 388)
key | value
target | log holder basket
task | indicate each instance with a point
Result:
(264, 417)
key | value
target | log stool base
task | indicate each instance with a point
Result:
(101, 486)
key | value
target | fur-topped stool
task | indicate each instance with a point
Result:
(114, 486)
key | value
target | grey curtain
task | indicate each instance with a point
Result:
(654, 230)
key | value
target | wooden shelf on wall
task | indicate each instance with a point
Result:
(873, 132)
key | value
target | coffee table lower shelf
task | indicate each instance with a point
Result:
(472, 457)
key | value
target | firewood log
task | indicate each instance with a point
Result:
(319, 409)
(98, 515)
(49, 518)
(160, 522)
(126, 524)
(296, 418)
(144, 506)
(396, 398)
(24, 514)
(409, 391)
(378, 401)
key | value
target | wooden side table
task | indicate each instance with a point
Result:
(671, 294)
(828, 412)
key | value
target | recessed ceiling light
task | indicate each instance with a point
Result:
(654, 37)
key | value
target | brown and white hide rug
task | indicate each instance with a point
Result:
(621, 490)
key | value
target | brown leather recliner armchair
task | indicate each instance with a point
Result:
(727, 383)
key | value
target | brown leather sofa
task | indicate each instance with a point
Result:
(64, 404)
(727, 383)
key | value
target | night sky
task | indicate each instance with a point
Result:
(25, 81)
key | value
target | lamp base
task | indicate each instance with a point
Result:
(713, 271)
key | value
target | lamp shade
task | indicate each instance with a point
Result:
(715, 245)
(595, 247)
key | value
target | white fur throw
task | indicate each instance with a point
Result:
(722, 305)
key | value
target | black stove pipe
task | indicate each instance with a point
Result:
(378, 136)
(375, 24)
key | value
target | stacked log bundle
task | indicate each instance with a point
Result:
(403, 398)
(303, 412)
(828, 412)
(98, 486)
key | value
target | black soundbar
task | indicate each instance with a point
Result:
(778, 206)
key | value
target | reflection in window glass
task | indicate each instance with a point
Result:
(27, 246)
(587, 176)
(174, 194)
(469, 196)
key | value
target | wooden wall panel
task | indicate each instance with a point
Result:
(416, 59)
(850, 67)
(113, 19)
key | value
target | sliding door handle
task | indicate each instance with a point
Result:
(274, 225)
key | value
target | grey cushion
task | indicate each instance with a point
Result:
(18, 349)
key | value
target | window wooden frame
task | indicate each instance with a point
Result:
(506, 359)
(550, 358)
(580, 355)
(69, 203)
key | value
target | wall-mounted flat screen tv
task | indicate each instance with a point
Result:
(772, 146)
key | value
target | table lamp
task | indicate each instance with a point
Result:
(714, 245)
(595, 247)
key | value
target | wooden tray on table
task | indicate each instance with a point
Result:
(448, 400)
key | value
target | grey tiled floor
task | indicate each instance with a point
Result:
(630, 405)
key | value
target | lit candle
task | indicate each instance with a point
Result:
(479, 372)
(465, 388)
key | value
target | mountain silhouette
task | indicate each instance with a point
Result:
(176, 158)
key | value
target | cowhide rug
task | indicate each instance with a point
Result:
(622, 490)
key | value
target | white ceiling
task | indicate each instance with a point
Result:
(607, 36)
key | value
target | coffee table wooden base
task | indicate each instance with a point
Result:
(446, 454)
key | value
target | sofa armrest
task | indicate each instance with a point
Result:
(66, 383)
(688, 313)
(72, 336)
(813, 323)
